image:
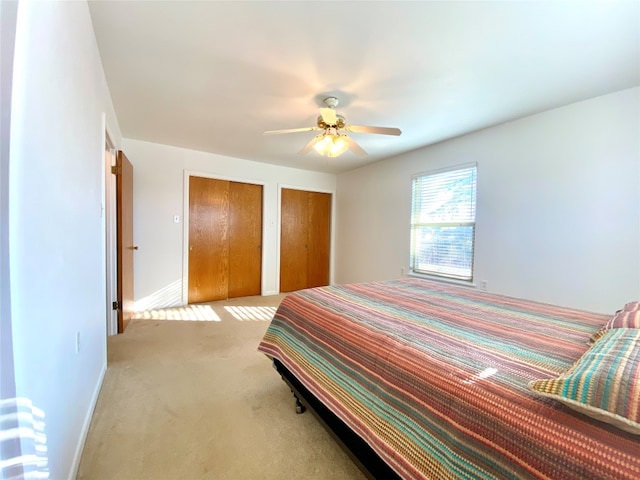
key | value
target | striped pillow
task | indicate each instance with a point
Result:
(604, 382)
(628, 317)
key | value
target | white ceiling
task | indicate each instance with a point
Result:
(214, 75)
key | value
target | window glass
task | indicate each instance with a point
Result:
(443, 223)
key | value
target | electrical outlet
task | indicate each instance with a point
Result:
(77, 342)
(483, 284)
(402, 271)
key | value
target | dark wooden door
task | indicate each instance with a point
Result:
(305, 234)
(245, 239)
(124, 241)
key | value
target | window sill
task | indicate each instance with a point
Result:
(464, 283)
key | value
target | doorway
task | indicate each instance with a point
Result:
(110, 236)
(119, 248)
(125, 248)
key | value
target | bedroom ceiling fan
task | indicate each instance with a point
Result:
(331, 141)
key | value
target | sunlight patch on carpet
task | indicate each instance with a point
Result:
(193, 313)
(251, 314)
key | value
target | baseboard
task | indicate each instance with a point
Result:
(86, 424)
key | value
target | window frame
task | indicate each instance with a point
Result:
(443, 276)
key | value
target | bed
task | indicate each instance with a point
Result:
(425, 380)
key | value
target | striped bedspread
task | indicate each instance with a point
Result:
(434, 378)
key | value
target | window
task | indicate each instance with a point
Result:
(443, 216)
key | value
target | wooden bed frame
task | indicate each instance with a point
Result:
(358, 450)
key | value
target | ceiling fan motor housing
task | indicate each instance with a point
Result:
(331, 102)
(339, 123)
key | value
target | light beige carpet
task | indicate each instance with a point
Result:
(193, 399)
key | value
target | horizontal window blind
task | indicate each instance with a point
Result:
(443, 223)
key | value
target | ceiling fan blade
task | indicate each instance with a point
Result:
(309, 146)
(290, 130)
(355, 148)
(329, 116)
(378, 130)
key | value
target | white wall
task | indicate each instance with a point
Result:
(558, 206)
(57, 256)
(8, 21)
(159, 195)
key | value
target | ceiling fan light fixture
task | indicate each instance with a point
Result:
(322, 145)
(339, 145)
(332, 145)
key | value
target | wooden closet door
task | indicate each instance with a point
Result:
(208, 239)
(319, 239)
(294, 231)
(305, 239)
(245, 239)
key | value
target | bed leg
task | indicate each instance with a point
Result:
(300, 408)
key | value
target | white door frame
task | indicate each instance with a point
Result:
(111, 236)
